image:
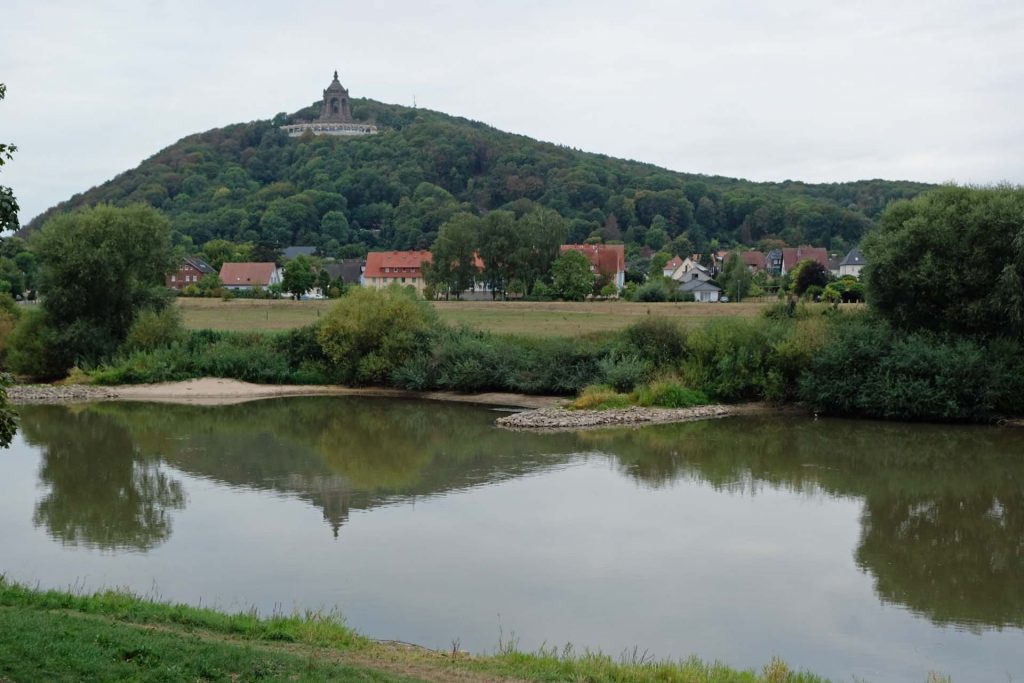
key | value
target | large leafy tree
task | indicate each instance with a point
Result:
(8, 221)
(499, 238)
(454, 254)
(299, 276)
(571, 276)
(951, 260)
(541, 233)
(8, 204)
(99, 268)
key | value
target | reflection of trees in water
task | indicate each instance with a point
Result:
(100, 493)
(338, 453)
(943, 525)
(942, 528)
(957, 560)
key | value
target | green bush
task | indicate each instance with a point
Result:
(657, 340)
(371, 332)
(34, 349)
(729, 358)
(624, 372)
(669, 395)
(868, 369)
(153, 329)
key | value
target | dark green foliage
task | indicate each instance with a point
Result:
(670, 395)
(370, 332)
(154, 329)
(299, 276)
(729, 359)
(659, 341)
(99, 268)
(8, 204)
(34, 350)
(809, 274)
(624, 372)
(466, 360)
(659, 288)
(951, 260)
(571, 277)
(869, 369)
(252, 183)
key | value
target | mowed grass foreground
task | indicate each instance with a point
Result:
(111, 636)
(530, 318)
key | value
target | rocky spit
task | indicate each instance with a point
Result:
(57, 393)
(562, 419)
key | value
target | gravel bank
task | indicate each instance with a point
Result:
(55, 393)
(558, 419)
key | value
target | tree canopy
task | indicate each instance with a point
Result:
(99, 267)
(394, 190)
(951, 260)
(571, 276)
(8, 204)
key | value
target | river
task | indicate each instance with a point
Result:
(848, 548)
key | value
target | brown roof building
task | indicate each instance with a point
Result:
(190, 271)
(794, 255)
(753, 260)
(605, 259)
(249, 275)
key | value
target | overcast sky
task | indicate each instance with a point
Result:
(809, 90)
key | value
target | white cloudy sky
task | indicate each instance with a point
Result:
(805, 89)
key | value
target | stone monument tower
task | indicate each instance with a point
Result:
(335, 116)
(335, 108)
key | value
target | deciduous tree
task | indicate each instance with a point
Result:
(571, 276)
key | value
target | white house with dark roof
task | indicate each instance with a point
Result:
(853, 263)
(701, 288)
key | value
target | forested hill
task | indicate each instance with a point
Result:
(251, 182)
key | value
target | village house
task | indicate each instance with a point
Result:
(781, 261)
(189, 272)
(696, 283)
(671, 265)
(853, 263)
(385, 268)
(755, 261)
(249, 275)
(350, 270)
(689, 268)
(605, 259)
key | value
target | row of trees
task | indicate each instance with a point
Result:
(516, 251)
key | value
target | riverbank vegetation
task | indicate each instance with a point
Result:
(964, 361)
(119, 636)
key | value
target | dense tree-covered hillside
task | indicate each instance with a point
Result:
(251, 182)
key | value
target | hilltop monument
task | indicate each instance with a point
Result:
(335, 116)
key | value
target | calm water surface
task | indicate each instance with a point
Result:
(853, 549)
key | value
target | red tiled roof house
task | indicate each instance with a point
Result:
(249, 275)
(794, 255)
(605, 259)
(403, 267)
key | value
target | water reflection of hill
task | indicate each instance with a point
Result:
(942, 531)
(339, 454)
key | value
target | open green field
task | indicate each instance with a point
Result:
(543, 319)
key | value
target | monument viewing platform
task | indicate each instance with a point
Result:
(335, 116)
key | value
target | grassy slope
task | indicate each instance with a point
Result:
(545, 319)
(56, 636)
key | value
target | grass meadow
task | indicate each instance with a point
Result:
(527, 318)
